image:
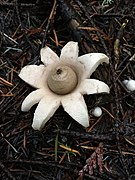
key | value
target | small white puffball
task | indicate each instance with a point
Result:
(97, 112)
(130, 84)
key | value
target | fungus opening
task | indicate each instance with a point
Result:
(59, 71)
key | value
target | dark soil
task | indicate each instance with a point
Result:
(61, 149)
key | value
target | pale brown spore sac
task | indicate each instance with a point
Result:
(62, 80)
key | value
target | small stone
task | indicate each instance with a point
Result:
(97, 112)
(130, 84)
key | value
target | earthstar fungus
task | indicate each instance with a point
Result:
(62, 81)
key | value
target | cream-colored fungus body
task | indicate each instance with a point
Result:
(62, 81)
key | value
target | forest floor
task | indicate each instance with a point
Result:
(64, 149)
